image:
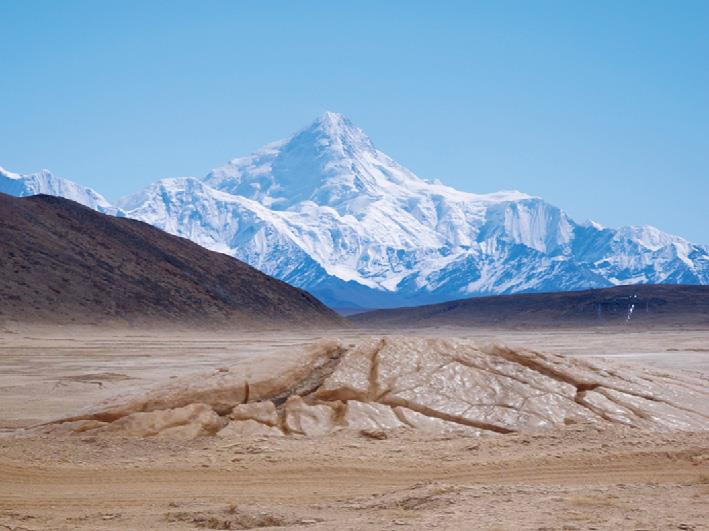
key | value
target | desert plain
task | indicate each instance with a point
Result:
(575, 476)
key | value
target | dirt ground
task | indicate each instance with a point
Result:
(576, 478)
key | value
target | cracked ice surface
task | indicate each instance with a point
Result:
(405, 383)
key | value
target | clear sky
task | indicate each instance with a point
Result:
(600, 107)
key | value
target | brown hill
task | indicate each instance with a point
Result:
(61, 262)
(638, 305)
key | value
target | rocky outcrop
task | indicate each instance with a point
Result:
(386, 384)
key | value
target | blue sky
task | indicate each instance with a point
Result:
(600, 107)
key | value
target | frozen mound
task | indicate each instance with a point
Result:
(430, 385)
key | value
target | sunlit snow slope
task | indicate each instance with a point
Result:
(44, 182)
(327, 211)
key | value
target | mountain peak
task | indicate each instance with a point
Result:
(330, 162)
(326, 211)
(333, 122)
(44, 182)
(335, 131)
(334, 118)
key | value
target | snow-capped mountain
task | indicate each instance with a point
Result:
(327, 211)
(44, 182)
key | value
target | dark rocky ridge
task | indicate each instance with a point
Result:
(652, 305)
(63, 263)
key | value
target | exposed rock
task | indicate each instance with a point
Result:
(389, 384)
(305, 419)
(353, 378)
(223, 391)
(263, 412)
(423, 422)
(371, 416)
(378, 435)
(454, 382)
(185, 422)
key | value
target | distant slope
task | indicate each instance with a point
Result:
(61, 262)
(639, 305)
(328, 212)
(44, 182)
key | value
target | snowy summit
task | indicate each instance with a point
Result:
(327, 211)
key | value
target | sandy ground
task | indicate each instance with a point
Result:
(577, 478)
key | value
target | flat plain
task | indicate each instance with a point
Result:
(578, 477)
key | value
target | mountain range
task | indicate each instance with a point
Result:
(328, 212)
(63, 263)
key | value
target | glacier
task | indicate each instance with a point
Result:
(328, 212)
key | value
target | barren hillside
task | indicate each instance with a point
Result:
(64, 263)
